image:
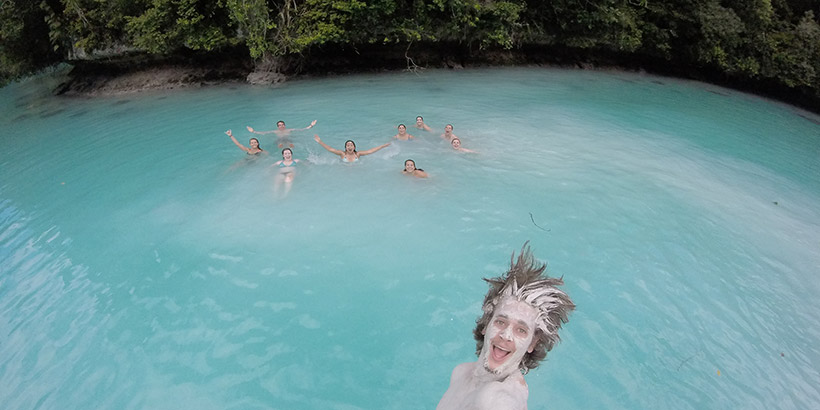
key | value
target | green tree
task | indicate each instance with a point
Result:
(24, 39)
(253, 19)
(168, 25)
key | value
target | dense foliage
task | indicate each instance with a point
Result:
(771, 41)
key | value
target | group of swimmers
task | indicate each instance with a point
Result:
(448, 135)
(349, 154)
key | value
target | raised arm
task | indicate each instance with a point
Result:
(327, 147)
(309, 126)
(242, 147)
(259, 132)
(372, 150)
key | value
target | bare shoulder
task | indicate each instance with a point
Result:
(511, 394)
(461, 371)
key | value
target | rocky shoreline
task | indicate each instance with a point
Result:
(133, 73)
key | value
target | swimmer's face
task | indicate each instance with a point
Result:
(509, 336)
(456, 143)
(402, 129)
(419, 120)
(287, 154)
(448, 128)
(409, 166)
(280, 125)
(254, 143)
(350, 146)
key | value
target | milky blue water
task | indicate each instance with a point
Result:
(146, 263)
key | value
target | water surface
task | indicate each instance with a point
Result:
(145, 262)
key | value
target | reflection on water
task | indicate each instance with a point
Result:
(145, 262)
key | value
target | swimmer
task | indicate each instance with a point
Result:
(253, 142)
(286, 172)
(421, 125)
(448, 133)
(410, 169)
(349, 154)
(456, 144)
(282, 132)
(403, 135)
(523, 311)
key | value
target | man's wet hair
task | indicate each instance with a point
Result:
(526, 281)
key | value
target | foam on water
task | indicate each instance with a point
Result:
(146, 264)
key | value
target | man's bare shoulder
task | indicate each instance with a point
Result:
(461, 371)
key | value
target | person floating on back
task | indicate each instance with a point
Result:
(350, 154)
(282, 132)
(286, 172)
(253, 142)
(523, 311)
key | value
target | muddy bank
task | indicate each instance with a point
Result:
(133, 73)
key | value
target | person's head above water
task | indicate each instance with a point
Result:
(523, 311)
(254, 143)
(456, 143)
(402, 128)
(411, 169)
(287, 154)
(350, 146)
(419, 120)
(280, 124)
(448, 128)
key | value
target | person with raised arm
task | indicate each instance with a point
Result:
(253, 142)
(421, 125)
(350, 154)
(522, 312)
(282, 132)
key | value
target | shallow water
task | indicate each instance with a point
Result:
(145, 262)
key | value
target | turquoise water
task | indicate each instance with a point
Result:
(145, 262)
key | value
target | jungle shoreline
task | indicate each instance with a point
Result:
(129, 73)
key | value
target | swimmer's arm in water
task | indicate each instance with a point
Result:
(260, 132)
(468, 151)
(328, 147)
(425, 127)
(372, 150)
(242, 147)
